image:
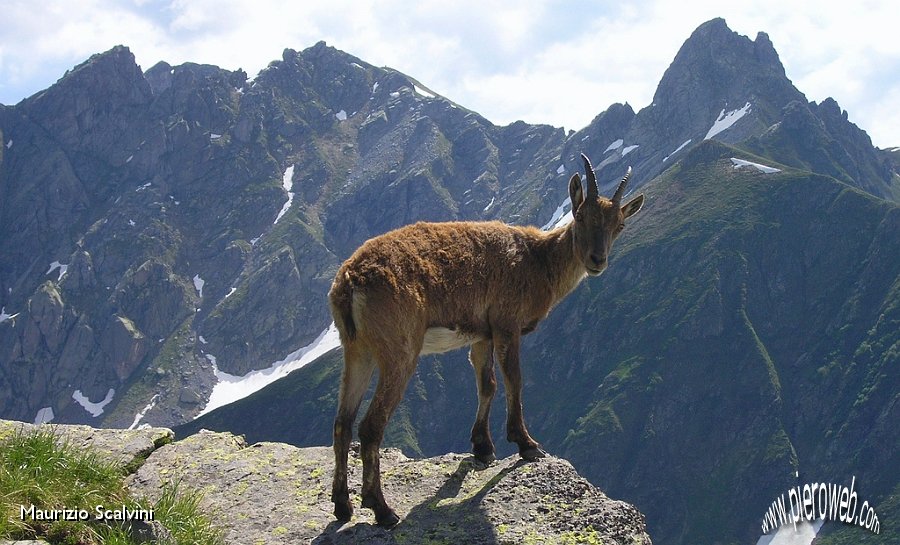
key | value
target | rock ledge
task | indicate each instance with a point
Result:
(275, 493)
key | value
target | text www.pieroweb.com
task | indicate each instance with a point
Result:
(820, 501)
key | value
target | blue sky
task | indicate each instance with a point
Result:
(542, 61)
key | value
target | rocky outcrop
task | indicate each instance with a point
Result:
(275, 493)
(124, 448)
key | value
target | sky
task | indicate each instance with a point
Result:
(542, 61)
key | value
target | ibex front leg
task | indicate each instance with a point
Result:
(506, 346)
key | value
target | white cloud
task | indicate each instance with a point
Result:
(536, 60)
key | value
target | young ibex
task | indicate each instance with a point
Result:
(432, 287)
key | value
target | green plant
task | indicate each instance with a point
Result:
(50, 489)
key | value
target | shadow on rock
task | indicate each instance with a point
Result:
(458, 512)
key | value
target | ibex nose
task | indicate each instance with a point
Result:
(597, 261)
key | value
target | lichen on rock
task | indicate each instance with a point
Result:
(278, 493)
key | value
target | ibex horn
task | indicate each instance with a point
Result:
(592, 190)
(617, 196)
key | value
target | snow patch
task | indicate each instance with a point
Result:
(561, 169)
(4, 316)
(739, 163)
(341, 115)
(787, 535)
(202, 340)
(131, 223)
(143, 187)
(422, 92)
(198, 285)
(57, 265)
(9, 144)
(395, 94)
(140, 416)
(490, 204)
(214, 136)
(679, 148)
(726, 120)
(615, 145)
(96, 409)
(629, 149)
(566, 219)
(288, 183)
(374, 87)
(44, 416)
(230, 293)
(130, 157)
(560, 217)
(231, 388)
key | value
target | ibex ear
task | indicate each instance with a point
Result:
(633, 206)
(576, 194)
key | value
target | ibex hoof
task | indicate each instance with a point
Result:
(485, 458)
(343, 511)
(388, 519)
(532, 454)
(484, 452)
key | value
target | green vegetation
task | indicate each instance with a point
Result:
(39, 469)
(179, 511)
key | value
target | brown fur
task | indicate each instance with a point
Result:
(486, 282)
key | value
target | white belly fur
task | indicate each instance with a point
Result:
(441, 339)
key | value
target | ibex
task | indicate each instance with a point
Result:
(432, 287)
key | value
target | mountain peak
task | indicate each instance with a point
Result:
(716, 25)
(717, 70)
(113, 74)
(715, 51)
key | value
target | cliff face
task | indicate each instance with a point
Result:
(276, 493)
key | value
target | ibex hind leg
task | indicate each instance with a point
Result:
(395, 371)
(357, 375)
(481, 356)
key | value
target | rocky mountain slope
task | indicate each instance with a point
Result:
(181, 205)
(277, 493)
(167, 231)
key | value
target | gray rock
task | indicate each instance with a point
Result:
(278, 493)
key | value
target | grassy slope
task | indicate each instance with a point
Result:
(38, 469)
